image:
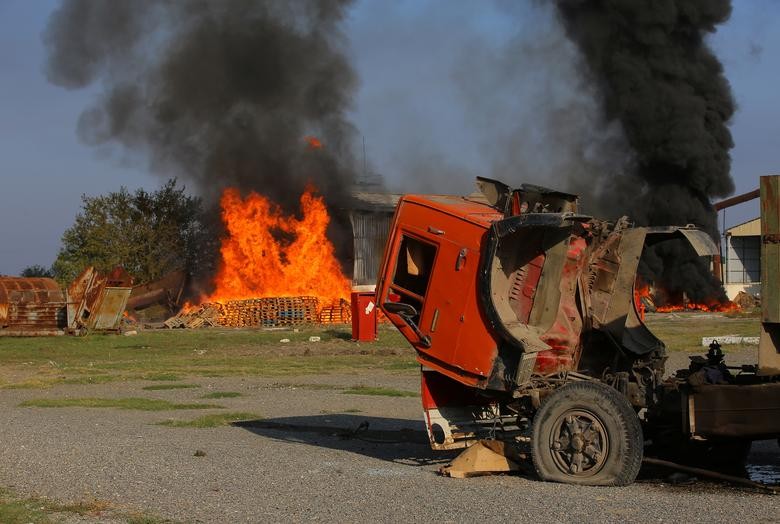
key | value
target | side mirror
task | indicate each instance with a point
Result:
(399, 308)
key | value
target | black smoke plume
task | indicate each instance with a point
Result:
(658, 78)
(222, 93)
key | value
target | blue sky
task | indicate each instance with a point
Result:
(404, 53)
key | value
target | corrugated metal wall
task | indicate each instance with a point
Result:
(370, 231)
(743, 261)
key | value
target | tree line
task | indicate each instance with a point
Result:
(147, 233)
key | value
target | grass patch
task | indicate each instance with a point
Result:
(315, 387)
(161, 377)
(163, 387)
(222, 394)
(210, 421)
(34, 383)
(22, 512)
(90, 379)
(383, 392)
(170, 355)
(38, 510)
(683, 331)
(17, 510)
(141, 404)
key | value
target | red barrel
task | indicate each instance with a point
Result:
(363, 316)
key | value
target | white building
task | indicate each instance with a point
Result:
(742, 259)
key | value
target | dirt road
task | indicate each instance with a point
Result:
(303, 461)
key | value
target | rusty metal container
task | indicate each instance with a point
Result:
(31, 307)
(96, 301)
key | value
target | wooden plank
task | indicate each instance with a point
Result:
(770, 248)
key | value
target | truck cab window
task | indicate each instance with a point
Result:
(414, 264)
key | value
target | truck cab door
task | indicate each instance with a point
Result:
(429, 275)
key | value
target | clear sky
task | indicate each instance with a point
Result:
(404, 53)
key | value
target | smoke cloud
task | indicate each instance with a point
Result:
(538, 117)
(657, 77)
(219, 93)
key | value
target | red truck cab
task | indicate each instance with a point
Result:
(444, 232)
(522, 315)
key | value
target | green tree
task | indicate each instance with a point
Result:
(37, 271)
(149, 234)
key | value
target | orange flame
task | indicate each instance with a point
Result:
(642, 291)
(313, 142)
(717, 307)
(256, 263)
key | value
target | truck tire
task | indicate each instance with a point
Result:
(587, 433)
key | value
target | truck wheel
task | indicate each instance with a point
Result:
(587, 433)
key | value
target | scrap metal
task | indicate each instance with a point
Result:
(31, 307)
(166, 290)
(96, 301)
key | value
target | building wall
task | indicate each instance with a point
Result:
(743, 265)
(370, 231)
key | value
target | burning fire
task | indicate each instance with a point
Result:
(313, 142)
(643, 297)
(693, 306)
(269, 254)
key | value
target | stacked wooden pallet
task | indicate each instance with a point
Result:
(336, 312)
(203, 315)
(264, 312)
(275, 311)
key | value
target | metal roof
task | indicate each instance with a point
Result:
(363, 201)
(751, 228)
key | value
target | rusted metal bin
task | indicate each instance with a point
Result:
(97, 300)
(31, 307)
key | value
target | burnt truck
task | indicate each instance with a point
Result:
(522, 314)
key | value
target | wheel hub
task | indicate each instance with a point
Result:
(579, 443)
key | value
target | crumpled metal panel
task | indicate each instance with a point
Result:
(31, 306)
(701, 242)
(166, 290)
(96, 301)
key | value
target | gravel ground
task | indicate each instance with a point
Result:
(295, 464)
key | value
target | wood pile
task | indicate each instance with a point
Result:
(203, 315)
(254, 312)
(337, 312)
(266, 312)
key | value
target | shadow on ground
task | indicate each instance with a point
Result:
(339, 334)
(396, 440)
(405, 442)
